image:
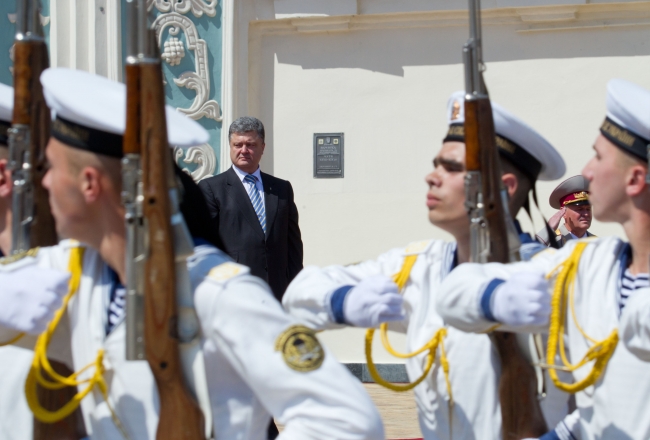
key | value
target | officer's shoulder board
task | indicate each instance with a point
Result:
(226, 271)
(418, 247)
(19, 260)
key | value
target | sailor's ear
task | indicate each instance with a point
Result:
(510, 182)
(90, 183)
(636, 180)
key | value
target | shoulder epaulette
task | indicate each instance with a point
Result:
(19, 259)
(418, 247)
(226, 271)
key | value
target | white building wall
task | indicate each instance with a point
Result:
(382, 75)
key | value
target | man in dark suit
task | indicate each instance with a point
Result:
(253, 212)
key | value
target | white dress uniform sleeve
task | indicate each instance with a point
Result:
(463, 292)
(635, 324)
(310, 393)
(308, 296)
(28, 276)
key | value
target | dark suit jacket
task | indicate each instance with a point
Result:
(276, 256)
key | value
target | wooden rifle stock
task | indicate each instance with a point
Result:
(521, 413)
(482, 155)
(31, 59)
(131, 144)
(180, 415)
(30, 109)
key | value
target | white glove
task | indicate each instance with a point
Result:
(30, 296)
(373, 301)
(523, 300)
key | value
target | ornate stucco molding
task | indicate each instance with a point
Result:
(198, 7)
(199, 81)
(173, 48)
(202, 155)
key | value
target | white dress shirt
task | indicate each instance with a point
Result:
(258, 183)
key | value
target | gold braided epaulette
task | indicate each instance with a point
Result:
(19, 256)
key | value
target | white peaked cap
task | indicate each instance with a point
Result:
(628, 117)
(518, 136)
(98, 103)
(6, 102)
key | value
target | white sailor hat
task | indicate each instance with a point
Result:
(90, 113)
(517, 141)
(627, 124)
(6, 111)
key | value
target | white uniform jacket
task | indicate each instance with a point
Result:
(473, 362)
(617, 406)
(248, 377)
(16, 422)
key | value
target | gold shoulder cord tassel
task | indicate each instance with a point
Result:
(41, 363)
(436, 341)
(600, 351)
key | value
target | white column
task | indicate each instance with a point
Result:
(85, 34)
(227, 80)
(110, 42)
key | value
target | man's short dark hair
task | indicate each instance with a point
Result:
(246, 124)
(524, 184)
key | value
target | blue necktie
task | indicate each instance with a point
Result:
(256, 200)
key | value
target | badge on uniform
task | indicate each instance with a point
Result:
(300, 348)
(225, 271)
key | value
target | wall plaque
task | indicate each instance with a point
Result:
(328, 155)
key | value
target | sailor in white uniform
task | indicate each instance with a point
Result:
(259, 361)
(589, 285)
(363, 295)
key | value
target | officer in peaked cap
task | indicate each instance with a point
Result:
(259, 362)
(571, 199)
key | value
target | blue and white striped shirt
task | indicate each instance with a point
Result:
(117, 301)
(629, 284)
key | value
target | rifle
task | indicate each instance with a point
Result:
(32, 221)
(493, 236)
(158, 241)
